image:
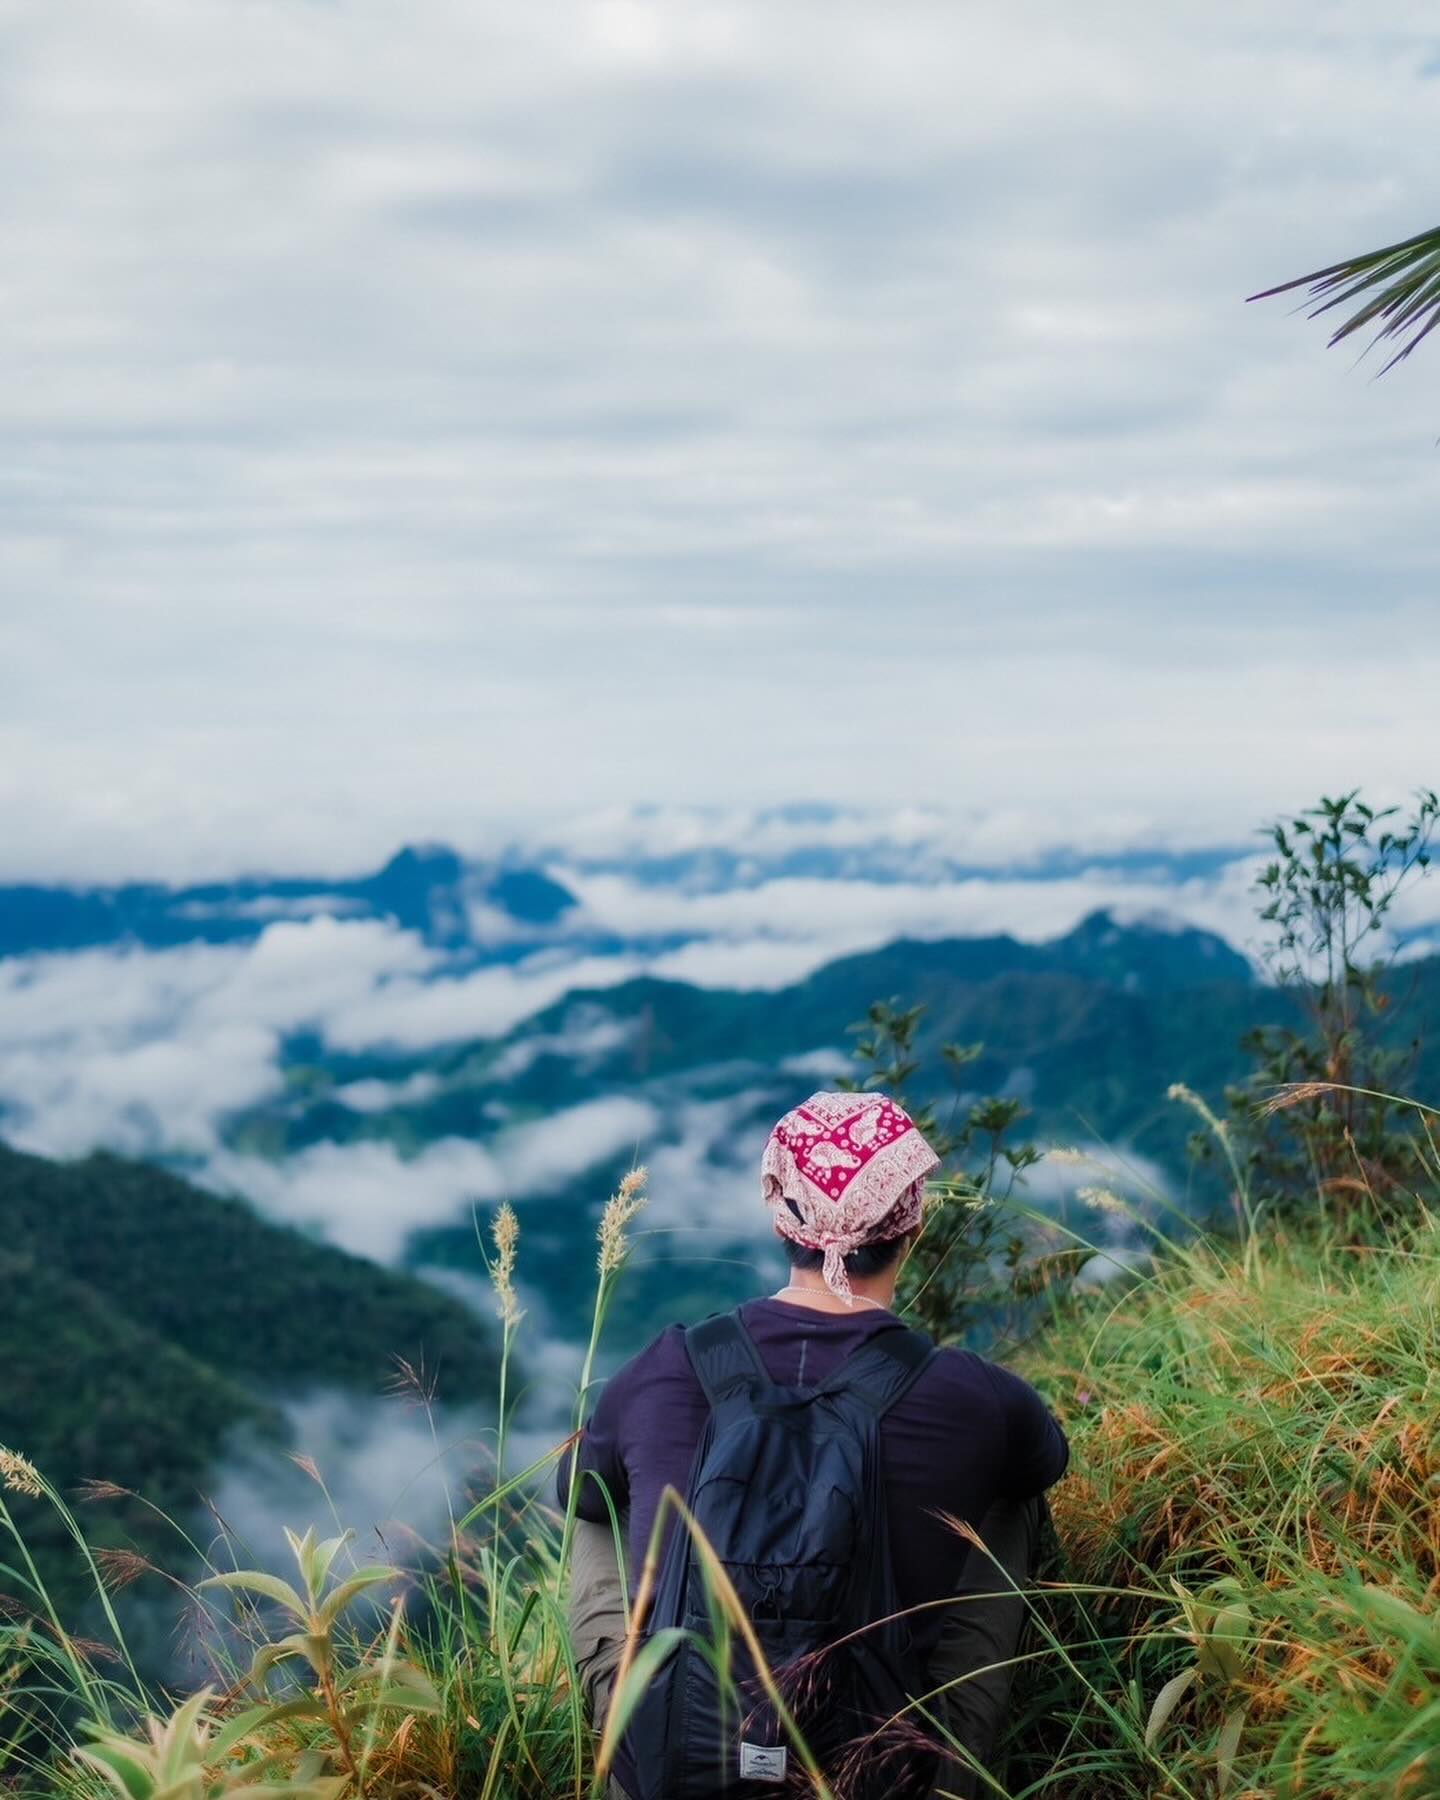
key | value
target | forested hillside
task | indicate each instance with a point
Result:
(144, 1321)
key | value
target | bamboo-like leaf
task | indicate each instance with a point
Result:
(410, 1696)
(256, 1581)
(256, 1790)
(402, 1684)
(1231, 1623)
(126, 1774)
(235, 1730)
(324, 1556)
(299, 1643)
(398, 1699)
(304, 1553)
(257, 1718)
(189, 1785)
(1226, 1746)
(399, 1677)
(506, 1488)
(1402, 282)
(310, 1765)
(1166, 1701)
(182, 1741)
(340, 1597)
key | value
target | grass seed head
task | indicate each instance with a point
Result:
(118, 1568)
(102, 1490)
(20, 1475)
(505, 1230)
(1188, 1097)
(620, 1209)
(1104, 1199)
(412, 1382)
(1295, 1093)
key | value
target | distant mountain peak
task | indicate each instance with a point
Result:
(1148, 949)
(529, 896)
(433, 861)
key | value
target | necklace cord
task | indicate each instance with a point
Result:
(856, 1299)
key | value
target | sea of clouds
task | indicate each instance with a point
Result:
(145, 1050)
(148, 1052)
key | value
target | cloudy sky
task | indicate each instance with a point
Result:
(445, 419)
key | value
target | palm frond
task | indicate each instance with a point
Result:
(1401, 289)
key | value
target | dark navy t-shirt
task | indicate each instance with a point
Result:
(965, 1433)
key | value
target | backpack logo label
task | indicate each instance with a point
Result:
(763, 1762)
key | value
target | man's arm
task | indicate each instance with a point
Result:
(598, 1460)
(596, 1606)
(1035, 1448)
(975, 1657)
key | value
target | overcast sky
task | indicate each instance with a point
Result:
(444, 418)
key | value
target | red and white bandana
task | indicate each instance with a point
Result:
(855, 1166)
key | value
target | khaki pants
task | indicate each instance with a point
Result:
(975, 1653)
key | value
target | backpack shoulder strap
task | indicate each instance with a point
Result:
(882, 1369)
(723, 1356)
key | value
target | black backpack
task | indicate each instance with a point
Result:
(787, 1487)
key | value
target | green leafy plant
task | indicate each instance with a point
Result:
(1217, 1621)
(1315, 1116)
(963, 1271)
(196, 1755)
(347, 1693)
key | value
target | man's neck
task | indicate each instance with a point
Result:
(806, 1287)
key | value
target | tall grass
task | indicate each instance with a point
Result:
(1250, 1530)
(1246, 1602)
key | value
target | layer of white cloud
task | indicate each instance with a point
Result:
(375, 1096)
(587, 1034)
(146, 1051)
(922, 842)
(387, 1476)
(779, 931)
(543, 1154)
(411, 1012)
(369, 1199)
(126, 1050)
(364, 1197)
(822, 1065)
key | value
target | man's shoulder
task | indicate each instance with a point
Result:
(665, 1355)
(964, 1372)
(662, 1358)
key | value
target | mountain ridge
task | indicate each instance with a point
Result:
(422, 888)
